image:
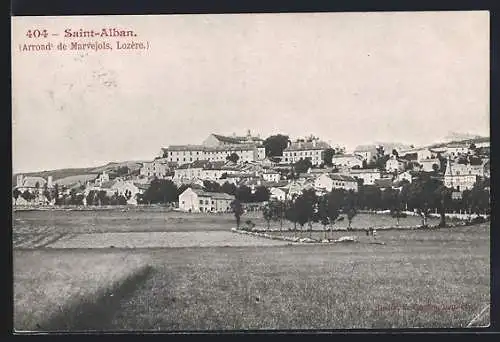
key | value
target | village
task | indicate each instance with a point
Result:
(209, 176)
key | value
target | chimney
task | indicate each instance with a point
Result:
(315, 142)
(19, 181)
(289, 143)
(49, 182)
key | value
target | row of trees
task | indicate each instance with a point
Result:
(309, 208)
(424, 195)
(166, 191)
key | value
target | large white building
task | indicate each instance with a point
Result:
(197, 200)
(160, 168)
(463, 176)
(417, 154)
(312, 150)
(327, 182)
(216, 148)
(367, 152)
(367, 175)
(347, 160)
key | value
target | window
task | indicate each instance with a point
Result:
(201, 201)
(206, 201)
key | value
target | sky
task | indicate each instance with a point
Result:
(348, 78)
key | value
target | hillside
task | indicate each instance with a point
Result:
(79, 172)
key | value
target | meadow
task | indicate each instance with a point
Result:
(419, 278)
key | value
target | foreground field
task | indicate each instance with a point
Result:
(419, 278)
(49, 287)
(429, 283)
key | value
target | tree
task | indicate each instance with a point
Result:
(16, 193)
(47, 194)
(244, 194)
(335, 202)
(122, 171)
(395, 153)
(261, 194)
(323, 213)
(91, 197)
(102, 197)
(291, 213)
(302, 165)
(237, 209)
(211, 186)
(161, 191)
(304, 209)
(267, 212)
(229, 188)
(370, 197)
(56, 194)
(328, 156)
(422, 196)
(233, 157)
(350, 207)
(27, 195)
(395, 204)
(444, 195)
(275, 144)
(312, 204)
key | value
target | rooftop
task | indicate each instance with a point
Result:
(215, 195)
(364, 171)
(307, 145)
(202, 148)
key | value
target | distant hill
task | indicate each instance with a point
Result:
(79, 173)
(475, 139)
(459, 136)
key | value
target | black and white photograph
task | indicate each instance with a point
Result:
(251, 172)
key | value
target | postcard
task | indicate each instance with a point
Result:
(249, 172)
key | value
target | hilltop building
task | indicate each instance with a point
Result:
(312, 150)
(217, 148)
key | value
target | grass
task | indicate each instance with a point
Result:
(420, 278)
(52, 289)
(158, 220)
(431, 284)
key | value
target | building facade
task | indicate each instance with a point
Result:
(159, 168)
(367, 175)
(196, 200)
(312, 150)
(216, 148)
(347, 160)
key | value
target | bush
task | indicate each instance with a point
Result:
(248, 225)
(477, 220)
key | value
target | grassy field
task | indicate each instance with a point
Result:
(51, 287)
(431, 283)
(419, 278)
